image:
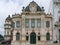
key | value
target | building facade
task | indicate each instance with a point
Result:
(56, 18)
(32, 26)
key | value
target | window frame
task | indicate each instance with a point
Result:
(27, 38)
(59, 18)
(18, 25)
(48, 36)
(39, 38)
(32, 23)
(59, 9)
(17, 36)
(27, 23)
(39, 22)
(47, 24)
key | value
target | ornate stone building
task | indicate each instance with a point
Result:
(32, 26)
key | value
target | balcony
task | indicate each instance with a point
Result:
(8, 27)
(16, 15)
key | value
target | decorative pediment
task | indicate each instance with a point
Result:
(33, 7)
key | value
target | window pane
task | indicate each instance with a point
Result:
(59, 32)
(27, 23)
(27, 38)
(59, 19)
(59, 10)
(17, 36)
(38, 23)
(38, 38)
(7, 32)
(33, 38)
(33, 23)
(18, 24)
(48, 36)
(47, 24)
(13, 25)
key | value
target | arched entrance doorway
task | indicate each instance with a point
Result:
(33, 38)
(48, 36)
(17, 36)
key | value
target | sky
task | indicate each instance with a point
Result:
(9, 7)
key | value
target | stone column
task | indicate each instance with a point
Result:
(23, 30)
(42, 28)
(42, 21)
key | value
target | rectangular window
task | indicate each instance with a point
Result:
(38, 23)
(27, 23)
(59, 10)
(38, 38)
(59, 18)
(59, 32)
(33, 23)
(18, 24)
(47, 24)
(13, 25)
(27, 38)
(7, 32)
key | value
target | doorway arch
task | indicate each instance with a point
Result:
(17, 36)
(48, 36)
(33, 38)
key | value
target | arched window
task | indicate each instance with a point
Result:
(47, 24)
(38, 36)
(13, 25)
(39, 23)
(18, 24)
(33, 23)
(48, 36)
(27, 23)
(27, 37)
(17, 36)
(33, 38)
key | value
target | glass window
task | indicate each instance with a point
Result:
(59, 19)
(38, 38)
(27, 38)
(27, 23)
(17, 36)
(38, 23)
(59, 32)
(18, 24)
(33, 38)
(59, 10)
(13, 25)
(48, 36)
(47, 24)
(33, 23)
(7, 32)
